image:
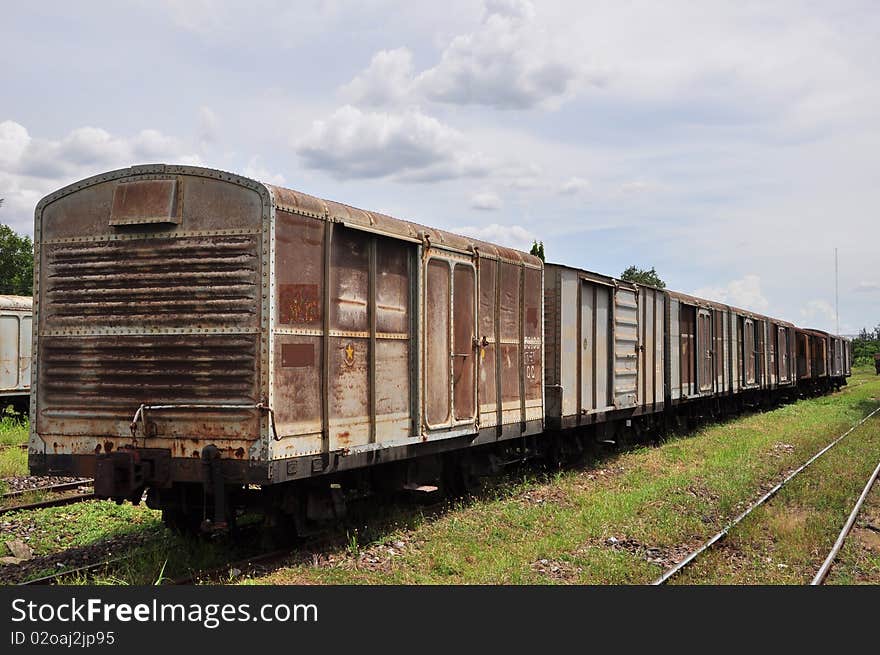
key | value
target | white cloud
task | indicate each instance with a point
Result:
(14, 140)
(386, 81)
(209, 126)
(573, 185)
(512, 236)
(744, 293)
(486, 200)
(636, 188)
(818, 309)
(256, 171)
(32, 167)
(509, 63)
(408, 146)
(867, 287)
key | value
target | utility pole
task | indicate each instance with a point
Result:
(836, 303)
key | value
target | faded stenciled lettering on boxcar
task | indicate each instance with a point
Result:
(299, 303)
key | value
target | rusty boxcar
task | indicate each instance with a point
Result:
(198, 332)
(15, 351)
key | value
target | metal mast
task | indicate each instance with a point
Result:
(836, 305)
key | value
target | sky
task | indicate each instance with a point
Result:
(731, 145)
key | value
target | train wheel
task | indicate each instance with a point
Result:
(181, 521)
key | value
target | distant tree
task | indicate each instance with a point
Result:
(865, 345)
(538, 250)
(16, 263)
(642, 276)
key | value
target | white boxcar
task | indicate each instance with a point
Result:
(15, 348)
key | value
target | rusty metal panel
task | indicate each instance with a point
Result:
(151, 313)
(297, 388)
(510, 323)
(463, 351)
(299, 272)
(603, 349)
(533, 364)
(487, 387)
(298, 349)
(650, 346)
(704, 350)
(392, 288)
(348, 391)
(349, 340)
(392, 382)
(783, 354)
(199, 281)
(144, 201)
(437, 343)
(626, 343)
(206, 203)
(659, 352)
(392, 386)
(735, 345)
(748, 351)
(349, 282)
(718, 349)
(772, 364)
(761, 353)
(803, 355)
(674, 339)
(688, 357)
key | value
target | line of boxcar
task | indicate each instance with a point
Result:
(218, 342)
(15, 352)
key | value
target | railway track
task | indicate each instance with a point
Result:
(242, 564)
(822, 573)
(49, 502)
(719, 536)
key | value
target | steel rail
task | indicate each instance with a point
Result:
(822, 573)
(763, 499)
(53, 502)
(61, 486)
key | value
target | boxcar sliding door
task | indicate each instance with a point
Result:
(704, 350)
(450, 326)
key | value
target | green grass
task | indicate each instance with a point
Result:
(656, 502)
(859, 560)
(786, 540)
(603, 524)
(13, 460)
(145, 551)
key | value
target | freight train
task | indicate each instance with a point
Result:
(210, 343)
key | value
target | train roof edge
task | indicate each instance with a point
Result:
(285, 199)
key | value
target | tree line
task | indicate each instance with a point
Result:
(865, 346)
(16, 263)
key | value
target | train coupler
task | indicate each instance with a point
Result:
(125, 473)
(215, 489)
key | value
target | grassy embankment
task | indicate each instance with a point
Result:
(627, 518)
(621, 520)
